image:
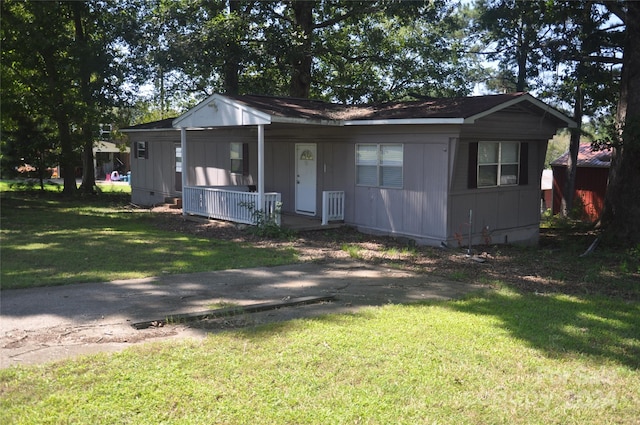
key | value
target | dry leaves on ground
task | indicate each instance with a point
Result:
(549, 267)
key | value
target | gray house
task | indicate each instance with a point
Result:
(419, 169)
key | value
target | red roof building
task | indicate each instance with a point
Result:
(592, 175)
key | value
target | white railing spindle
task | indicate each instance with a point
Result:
(230, 205)
(332, 206)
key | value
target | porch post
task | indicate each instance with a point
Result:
(260, 167)
(183, 148)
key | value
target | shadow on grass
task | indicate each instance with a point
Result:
(565, 326)
(50, 241)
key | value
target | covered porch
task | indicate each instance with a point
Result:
(239, 205)
(242, 203)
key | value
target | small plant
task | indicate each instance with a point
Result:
(396, 252)
(221, 305)
(458, 275)
(352, 250)
(266, 224)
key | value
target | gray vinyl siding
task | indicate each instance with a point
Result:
(511, 124)
(208, 157)
(153, 178)
(432, 206)
(503, 211)
(419, 209)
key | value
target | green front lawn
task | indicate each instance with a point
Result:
(522, 353)
(48, 240)
(495, 358)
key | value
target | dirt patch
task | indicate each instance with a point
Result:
(553, 266)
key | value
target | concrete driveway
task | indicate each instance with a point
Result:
(43, 324)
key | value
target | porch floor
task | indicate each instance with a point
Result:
(297, 223)
(301, 223)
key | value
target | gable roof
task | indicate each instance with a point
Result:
(237, 110)
(587, 157)
(165, 124)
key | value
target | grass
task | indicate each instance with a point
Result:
(48, 240)
(352, 250)
(504, 356)
(489, 358)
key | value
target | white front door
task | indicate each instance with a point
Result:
(306, 174)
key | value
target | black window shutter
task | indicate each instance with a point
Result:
(245, 159)
(472, 177)
(523, 178)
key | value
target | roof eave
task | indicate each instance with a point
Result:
(146, 130)
(292, 120)
(407, 121)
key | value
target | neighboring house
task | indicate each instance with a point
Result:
(413, 169)
(592, 175)
(109, 157)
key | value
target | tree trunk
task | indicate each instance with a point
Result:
(574, 147)
(302, 57)
(521, 59)
(621, 215)
(88, 172)
(67, 157)
(231, 67)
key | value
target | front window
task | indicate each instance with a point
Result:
(498, 163)
(239, 158)
(379, 165)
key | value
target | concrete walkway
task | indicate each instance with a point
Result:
(44, 324)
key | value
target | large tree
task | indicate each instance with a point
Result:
(510, 33)
(347, 51)
(563, 51)
(621, 215)
(581, 32)
(58, 58)
(37, 37)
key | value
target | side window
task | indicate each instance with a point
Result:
(379, 165)
(494, 164)
(141, 150)
(239, 156)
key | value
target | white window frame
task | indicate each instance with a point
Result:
(141, 150)
(241, 160)
(499, 164)
(380, 165)
(178, 149)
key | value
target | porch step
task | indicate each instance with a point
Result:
(173, 202)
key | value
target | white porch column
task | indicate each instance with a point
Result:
(260, 167)
(183, 148)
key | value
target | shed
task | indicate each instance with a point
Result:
(592, 175)
(416, 169)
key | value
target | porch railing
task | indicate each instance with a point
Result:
(332, 206)
(231, 205)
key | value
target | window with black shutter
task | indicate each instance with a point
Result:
(493, 164)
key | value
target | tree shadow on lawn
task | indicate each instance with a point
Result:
(562, 325)
(54, 243)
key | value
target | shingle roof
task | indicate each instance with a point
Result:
(166, 123)
(458, 107)
(317, 110)
(586, 157)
